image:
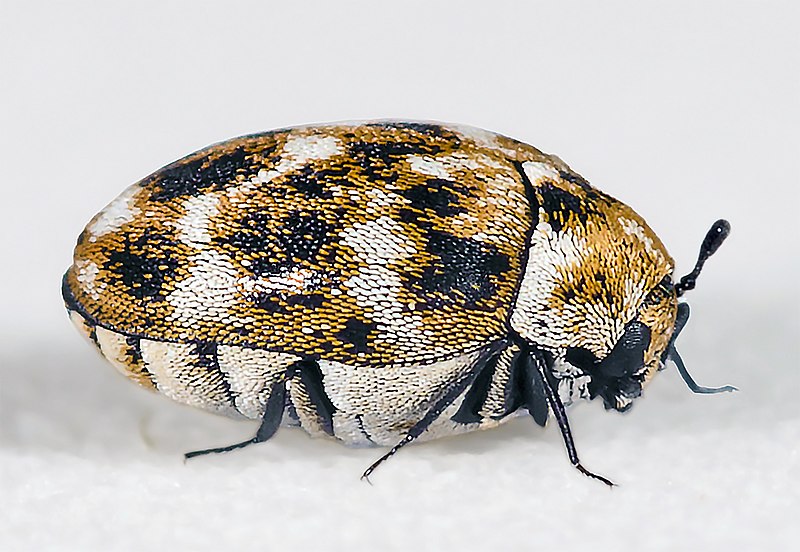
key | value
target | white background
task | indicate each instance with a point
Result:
(687, 111)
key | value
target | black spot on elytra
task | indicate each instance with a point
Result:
(268, 302)
(312, 301)
(314, 183)
(279, 245)
(388, 152)
(191, 177)
(241, 330)
(378, 159)
(463, 274)
(256, 234)
(356, 333)
(410, 216)
(303, 235)
(326, 346)
(143, 265)
(437, 195)
(273, 303)
(269, 266)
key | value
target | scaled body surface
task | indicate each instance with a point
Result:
(369, 277)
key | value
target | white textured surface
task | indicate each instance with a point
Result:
(685, 112)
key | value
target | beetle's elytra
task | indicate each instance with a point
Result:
(377, 283)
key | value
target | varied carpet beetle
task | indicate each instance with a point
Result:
(379, 283)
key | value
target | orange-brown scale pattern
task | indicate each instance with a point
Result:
(262, 218)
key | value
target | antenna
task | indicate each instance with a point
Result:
(714, 238)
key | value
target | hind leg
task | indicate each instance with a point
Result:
(270, 421)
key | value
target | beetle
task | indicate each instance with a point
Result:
(379, 283)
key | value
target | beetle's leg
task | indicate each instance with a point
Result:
(533, 388)
(309, 376)
(270, 421)
(440, 406)
(539, 365)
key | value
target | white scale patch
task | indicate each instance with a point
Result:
(443, 166)
(83, 327)
(193, 227)
(482, 137)
(633, 228)
(478, 135)
(573, 384)
(115, 215)
(86, 273)
(379, 199)
(300, 150)
(294, 281)
(250, 374)
(431, 166)
(113, 346)
(548, 252)
(377, 287)
(385, 401)
(537, 171)
(213, 287)
(174, 370)
(208, 292)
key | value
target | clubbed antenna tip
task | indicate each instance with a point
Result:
(714, 238)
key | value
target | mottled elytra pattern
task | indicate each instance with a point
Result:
(367, 244)
(381, 279)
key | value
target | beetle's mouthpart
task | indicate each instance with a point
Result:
(714, 238)
(671, 353)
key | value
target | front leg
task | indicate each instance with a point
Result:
(536, 371)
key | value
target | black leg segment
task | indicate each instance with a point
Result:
(455, 391)
(533, 388)
(273, 413)
(311, 377)
(560, 413)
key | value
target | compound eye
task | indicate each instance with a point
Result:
(627, 356)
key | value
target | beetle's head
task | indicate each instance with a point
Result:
(599, 299)
(648, 339)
